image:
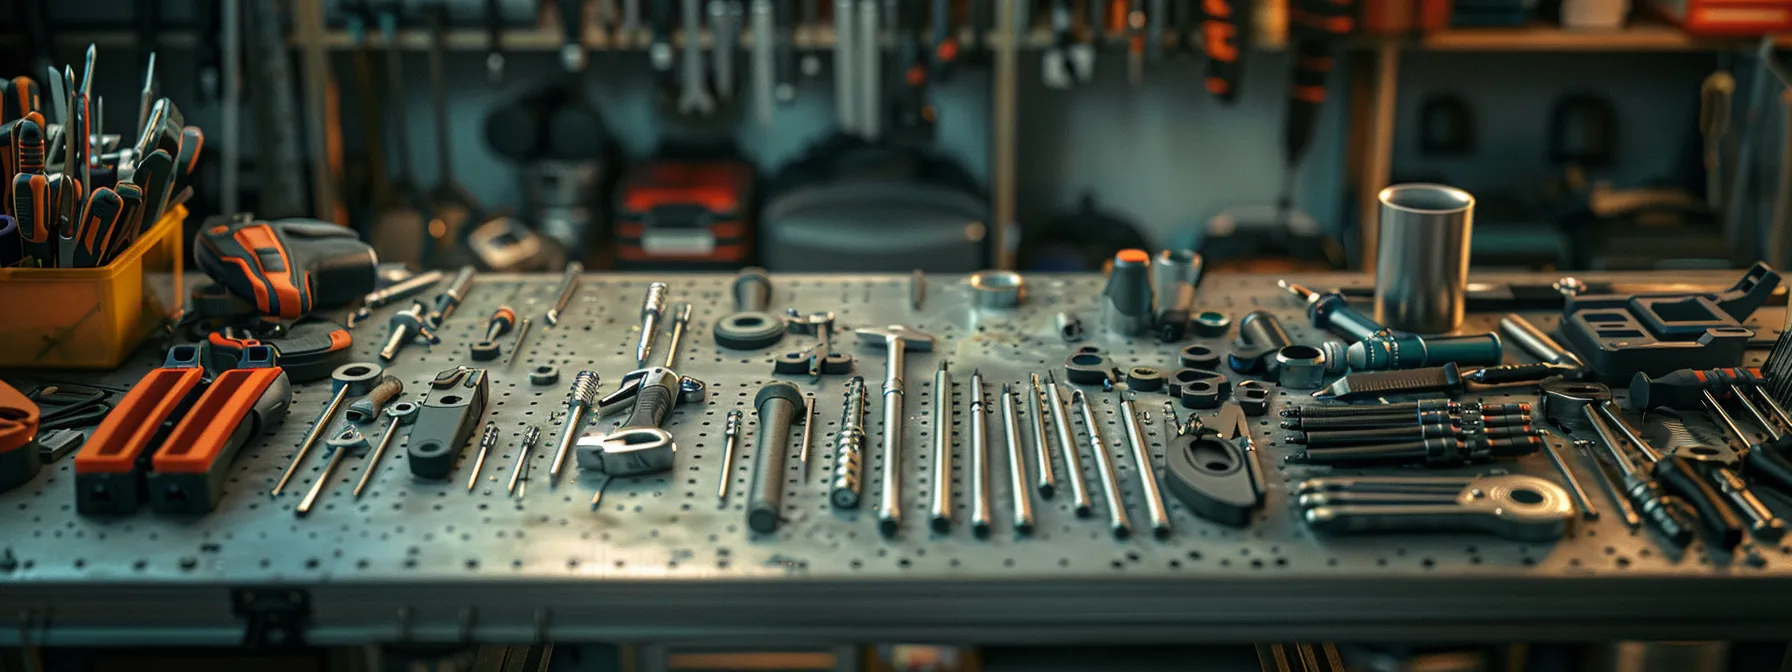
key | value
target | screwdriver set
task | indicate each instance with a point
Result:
(73, 195)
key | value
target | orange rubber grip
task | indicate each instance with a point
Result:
(18, 419)
(200, 437)
(126, 432)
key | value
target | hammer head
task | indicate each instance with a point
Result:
(896, 336)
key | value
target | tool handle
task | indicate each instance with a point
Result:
(776, 405)
(1669, 516)
(1765, 466)
(1719, 522)
(653, 403)
(1516, 373)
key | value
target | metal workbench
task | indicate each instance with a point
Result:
(429, 561)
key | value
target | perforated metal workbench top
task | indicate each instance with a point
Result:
(661, 560)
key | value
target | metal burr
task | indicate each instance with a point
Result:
(849, 449)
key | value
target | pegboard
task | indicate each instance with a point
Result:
(435, 560)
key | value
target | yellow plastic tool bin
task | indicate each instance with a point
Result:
(93, 318)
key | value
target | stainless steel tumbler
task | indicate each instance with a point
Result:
(1421, 276)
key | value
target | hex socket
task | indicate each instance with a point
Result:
(1421, 271)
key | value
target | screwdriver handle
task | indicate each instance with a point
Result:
(1681, 389)
(1719, 522)
(1767, 467)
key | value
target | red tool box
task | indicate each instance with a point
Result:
(685, 215)
(1727, 18)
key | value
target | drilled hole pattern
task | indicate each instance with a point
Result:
(670, 524)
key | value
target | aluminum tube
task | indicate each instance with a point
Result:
(1421, 276)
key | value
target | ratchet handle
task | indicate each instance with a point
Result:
(653, 403)
(1677, 475)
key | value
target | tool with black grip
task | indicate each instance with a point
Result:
(308, 350)
(286, 269)
(776, 406)
(155, 174)
(1759, 460)
(1685, 388)
(1318, 27)
(1260, 337)
(639, 445)
(1224, 32)
(1213, 474)
(446, 419)
(96, 234)
(1575, 406)
(1678, 476)
(31, 208)
(1332, 312)
(399, 414)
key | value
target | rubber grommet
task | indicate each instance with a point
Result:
(1199, 357)
(544, 375)
(749, 331)
(1144, 379)
(1211, 324)
(485, 351)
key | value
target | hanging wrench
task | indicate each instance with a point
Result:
(693, 94)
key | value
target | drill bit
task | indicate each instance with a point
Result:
(681, 316)
(578, 404)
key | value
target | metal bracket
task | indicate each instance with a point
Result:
(275, 618)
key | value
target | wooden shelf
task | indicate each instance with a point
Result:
(1552, 38)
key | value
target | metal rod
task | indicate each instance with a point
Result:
(569, 283)
(808, 433)
(317, 430)
(1042, 454)
(578, 405)
(681, 316)
(1773, 405)
(941, 511)
(889, 508)
(519, 473)
(1104, 463)
(730, 444)
(1141, 452)
(373, 460)
(652, 307)
(317, 487)
(1017, 464)
(1073, 459)
(516, 346)
(1587, 509)
(486, 442)
(980, 510)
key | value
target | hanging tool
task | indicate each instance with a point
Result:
(278, 158)
(724, 33)
(1104, 464)
(569, 284)
(1073, 460)
(1319, 27)
(1514, 506)
(350, 380)
(870, 77)
(519, 474)
(401, 223)
(456, 401)
(1716, 99)
(494, 42)
(895, 340)
(941, 510)
(849, 449)
(1042, 456)
(980, 505)
(1224, 36)
(1141, 452)
(776, 406)
(578, 403)
(572, 27)
(730, 445)
(1018, 493)
(765, 44)
(694, 97)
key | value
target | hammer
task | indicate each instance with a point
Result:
(897, 339)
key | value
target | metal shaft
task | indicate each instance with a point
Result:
(394, 342)
(980, 509)
(1754, 412)
(569, 283)
(1527, 336)
(1762, 521)
(516, 346)
(941, 511)
(317, 430)
(403, 289)
(373, 460)
(651, 309)
(1613, 489)
(519, 473)
(1141, 452)
(578, 404)
(1772, 405)
(808, 433)
(849, 449)
(1104, 463)
(1042, 454)
(681, 316)
(1073, 459)
(1587, 509)
(317, 487)
(730, 443)
(1724, 418)
(889, 508)
(1017, 465)
(486, 442)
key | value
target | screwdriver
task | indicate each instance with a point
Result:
(1682, 388)
(31, 199)
(1318, 25)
